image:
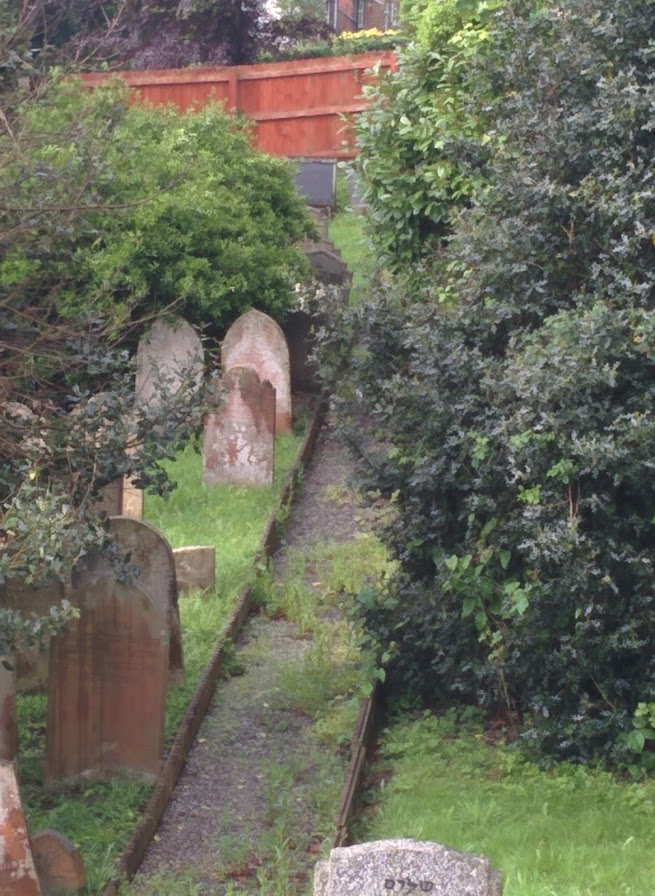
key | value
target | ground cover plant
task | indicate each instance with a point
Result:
(100, 816)
(569, 831)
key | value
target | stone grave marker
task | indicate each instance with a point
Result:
(17, 870)
(31, 662)
(255, 340)
(107, 683)
(316, 180)
(151, 553)
(405, 866)
(169, 355)
(239, 445)
(59, 863)
(327, 264)
(195, 568)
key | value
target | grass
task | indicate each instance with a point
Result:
(99, 817)
(568, 831)
(346, 230)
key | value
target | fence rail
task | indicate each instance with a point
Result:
(297, 106)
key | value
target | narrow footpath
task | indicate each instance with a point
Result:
(251, 775)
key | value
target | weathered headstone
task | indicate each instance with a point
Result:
(316, 180)
(107, 683)
(255, 340)
(168, 356)
(132, 501)
(59, 863)
(195, 568)
(405, 866)
(239, 444)
(31, 662)
(17, 870)
(148, 550)
(327, 264)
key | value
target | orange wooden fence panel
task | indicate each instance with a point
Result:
(297, 106)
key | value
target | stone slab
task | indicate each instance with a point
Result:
(316, 180)
(405, 866)
(59, 863)
(239, 443)
(195, 568)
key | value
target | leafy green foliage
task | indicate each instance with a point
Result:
(422, 145)
(513, 396)
(111, 215)
(173, 209)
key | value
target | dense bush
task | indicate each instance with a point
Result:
(180, 210)
(517, 421)
(422, 142)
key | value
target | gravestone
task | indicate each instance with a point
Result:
(132, 501)
(59, 863)
(17, 870)
(405, 866)
(31, 662)
(327, 264)
(195, 568)
(316, 180)
(107, 682)
(239, 444)
(151, 553)
(168, 356)
(255, 340)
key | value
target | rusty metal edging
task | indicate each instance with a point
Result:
(366, 730)
(190, 725)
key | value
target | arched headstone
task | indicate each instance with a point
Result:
(239, 443)
(169, 355)
(255, 340)
(152, 564)
(107, 683)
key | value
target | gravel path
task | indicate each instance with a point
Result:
(236, 783)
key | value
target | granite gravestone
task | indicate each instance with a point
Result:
(405, 866)
(107, 682)
(255, 340)
(239, 445)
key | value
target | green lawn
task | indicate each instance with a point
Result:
(567, 831)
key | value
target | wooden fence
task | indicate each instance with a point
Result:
(297, 106)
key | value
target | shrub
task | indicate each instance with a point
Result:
(514, 397)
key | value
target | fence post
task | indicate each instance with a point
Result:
(233, 87)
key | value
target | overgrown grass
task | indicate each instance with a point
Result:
(99, 817)
(568, 831)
